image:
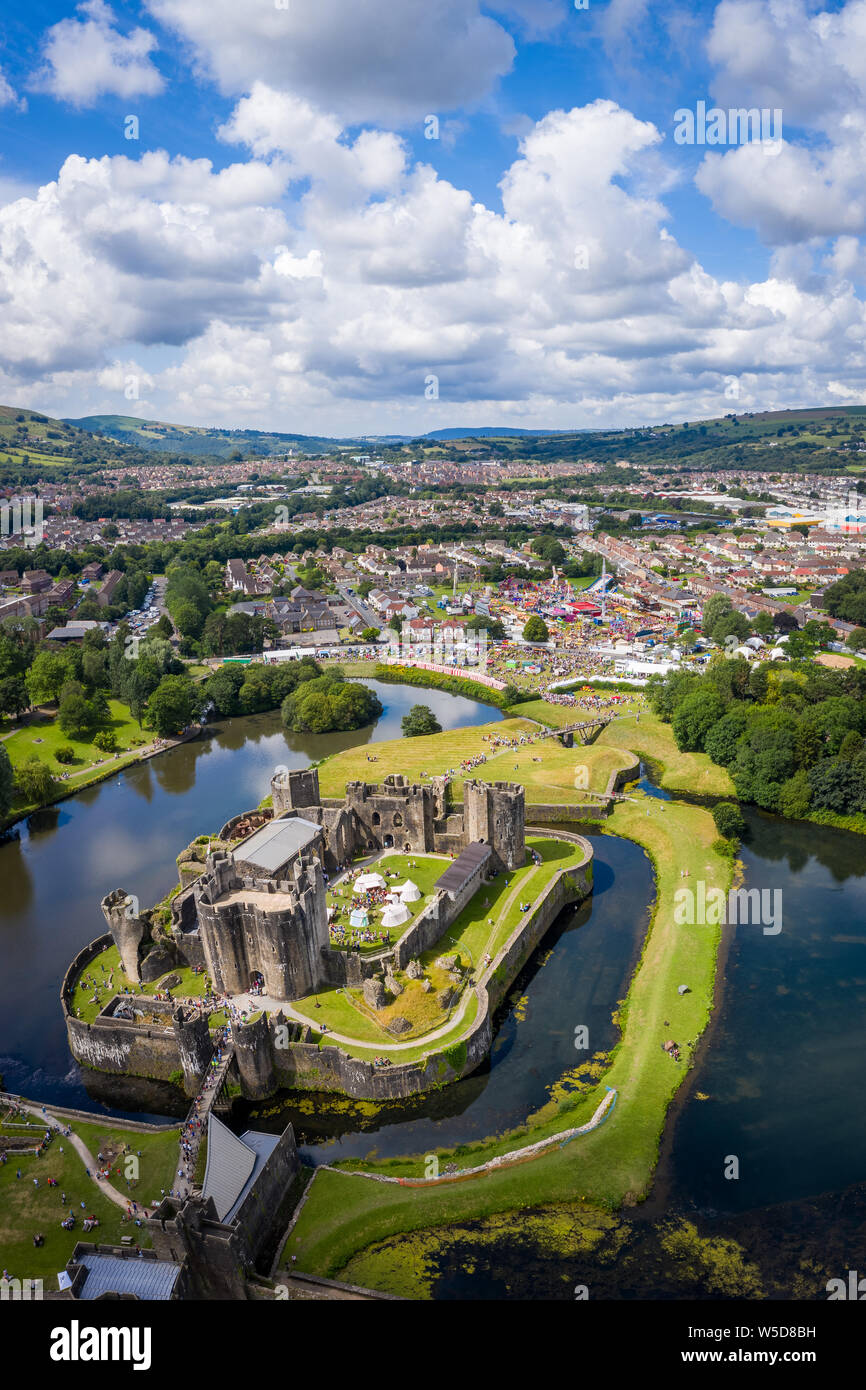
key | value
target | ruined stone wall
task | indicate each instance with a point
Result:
(120, 1046)
(436, 918)
(295, 791)
(395, 811)
(494, 813)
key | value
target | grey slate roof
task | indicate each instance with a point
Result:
(464, 867)
(276, 842)
(150, 1279)
(233, 1165)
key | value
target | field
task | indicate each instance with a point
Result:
(106, 966)
(423, 872)
(26, 1209)
(552, 779)
(652, 740)
(43, 736)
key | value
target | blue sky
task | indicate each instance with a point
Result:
(282, 246)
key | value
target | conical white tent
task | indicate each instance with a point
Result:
(395, 916)
(359, 918)
(409, 892)
(365, 882)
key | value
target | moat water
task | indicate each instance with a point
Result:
(776, 1084)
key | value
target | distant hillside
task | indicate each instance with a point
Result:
(194, 440)
(31, 443)
(491, 432)
(823, 438)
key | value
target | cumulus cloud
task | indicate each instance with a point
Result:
(87, 58)
(572, 303)
(810, 66)
(271, 122)
(371, 60)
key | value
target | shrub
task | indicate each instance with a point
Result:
(65, 753)
(729, 820)
(105, 741)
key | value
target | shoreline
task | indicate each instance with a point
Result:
(105, 773)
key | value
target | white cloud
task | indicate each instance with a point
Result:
(811, 66)
(84, 59)
(573, 304)
(8, 95)
(269, 122)
(391, 61)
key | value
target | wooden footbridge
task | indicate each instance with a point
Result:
(583, 732)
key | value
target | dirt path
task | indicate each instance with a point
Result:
(82, 1150)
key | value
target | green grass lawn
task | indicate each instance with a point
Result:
(651, 739)
(484, 925)
(192, 985)
(156, 1155)
(43, 736)
(551, 779)
(611, 1165)
(26, 1210)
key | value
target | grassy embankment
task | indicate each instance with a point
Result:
(550, 780)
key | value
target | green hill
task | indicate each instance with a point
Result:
(196, 440)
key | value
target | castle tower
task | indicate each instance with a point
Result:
(272, 931)
(194, 1044)
(295, 791)
(495, 813)
(254, 1058)
(128, 929)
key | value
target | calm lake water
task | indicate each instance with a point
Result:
(783, 1070)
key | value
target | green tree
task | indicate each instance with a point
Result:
(14, 698)
(7, 782)
(34, 783)
(536, 629)
(369, 634)
(188, 618)
(694, 718)
(795, 795)
(172, 706)
(46, 678)
(720, 741)
(420, 720)
(76, 715)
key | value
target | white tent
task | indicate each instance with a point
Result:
(395, 916)
(409, 892)
(365, 882)
(359, 918)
